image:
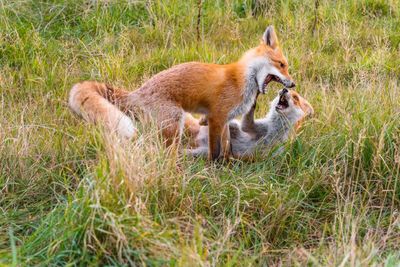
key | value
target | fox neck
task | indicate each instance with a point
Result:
(289, 119)
(258, 68)
(250, 73)
(279, 125)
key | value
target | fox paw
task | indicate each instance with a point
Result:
(203, 121)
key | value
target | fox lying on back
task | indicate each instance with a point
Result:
(222, 92)
(247, 136)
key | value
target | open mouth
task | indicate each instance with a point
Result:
(283, 102)
(270, 78)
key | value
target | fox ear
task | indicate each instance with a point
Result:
(270, 38)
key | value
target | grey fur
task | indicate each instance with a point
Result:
(248, 135)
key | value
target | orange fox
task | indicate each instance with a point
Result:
(221, 92)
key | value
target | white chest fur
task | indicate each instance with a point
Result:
(255, 75)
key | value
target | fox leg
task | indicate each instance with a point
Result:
(191, 125)
(225, 142)
(171, 122)
(216, 127)
(200, 152)
(248, 124)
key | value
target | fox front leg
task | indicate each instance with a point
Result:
(215, 128)
(226, 142)
(248, 124)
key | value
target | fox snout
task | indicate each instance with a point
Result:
(288, 83)
(283, 91)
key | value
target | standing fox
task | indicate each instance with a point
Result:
(221, 92)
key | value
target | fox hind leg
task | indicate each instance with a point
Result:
(191, 125)
(171, 122)
(199, 152)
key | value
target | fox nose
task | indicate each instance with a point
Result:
(288, 83)
(291, 85)
(284, 91)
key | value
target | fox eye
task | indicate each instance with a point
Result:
(295, 97)
(282, 64)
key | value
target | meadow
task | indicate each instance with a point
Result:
(70, 195)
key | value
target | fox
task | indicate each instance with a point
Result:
(219, 91)
(287, 112)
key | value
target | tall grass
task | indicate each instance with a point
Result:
(71, 195)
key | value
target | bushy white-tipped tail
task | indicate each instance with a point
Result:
(88, 99)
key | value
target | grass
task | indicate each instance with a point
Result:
(71, 196)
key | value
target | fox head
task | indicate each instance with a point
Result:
(291, 105)
(268, 62)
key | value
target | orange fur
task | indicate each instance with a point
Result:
(304, 105)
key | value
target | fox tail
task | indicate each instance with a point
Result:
(104, 104)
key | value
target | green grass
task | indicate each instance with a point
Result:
(69, 196)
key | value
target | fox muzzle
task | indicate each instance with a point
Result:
(288, 83)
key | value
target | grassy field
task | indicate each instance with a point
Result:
(69, 196)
